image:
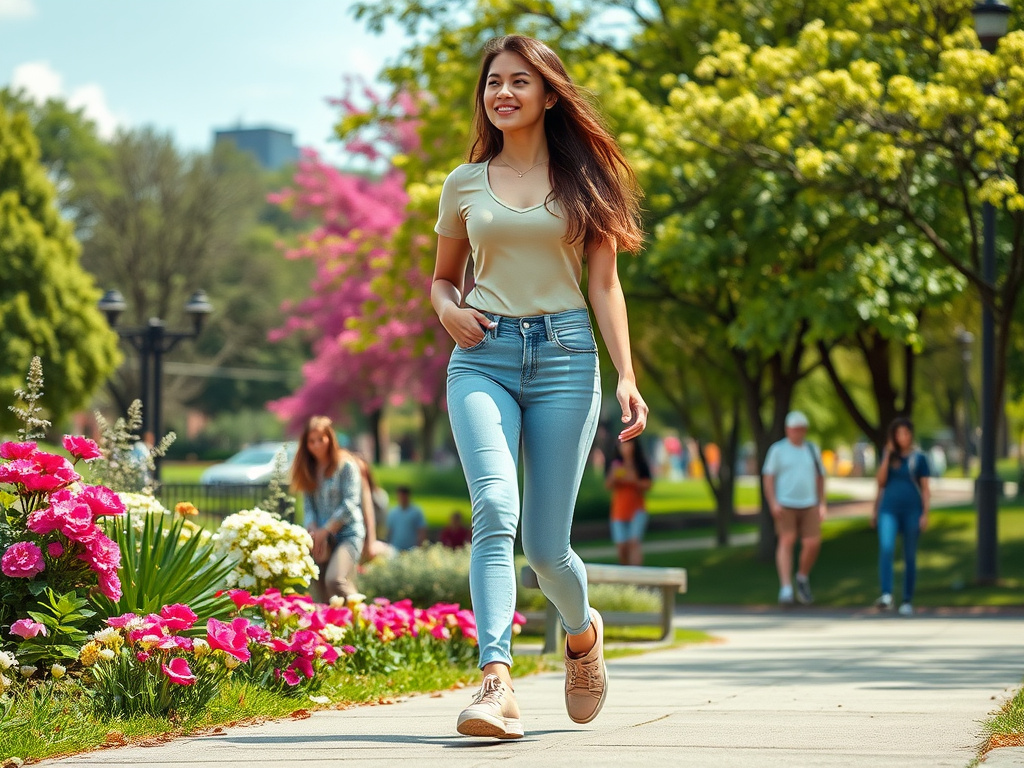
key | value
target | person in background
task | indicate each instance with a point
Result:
(456, 535)
(332, 488)
(902, 505)
(628, 478)
(407, 525)
(794, 487)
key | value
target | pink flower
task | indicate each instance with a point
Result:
(258, 633)
(82, 448)
(178, 672)
(55, 549)
(304, 666)
(467, 623)
(241, 598)
(289, 676)
(17, 472)
(110, 585)
(518, 618)
(230, 638)
(102, 501)
(11, 450)
(22, 560)
(348, 649)
(121, 621)
(177, 617)
(27, 628)
(441, 632)
(50, 473)
(143, 656)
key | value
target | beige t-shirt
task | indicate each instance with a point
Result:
(522, 264)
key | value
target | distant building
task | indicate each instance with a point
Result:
(272, 148)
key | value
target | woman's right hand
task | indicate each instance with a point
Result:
(465, 325)
(321, 546)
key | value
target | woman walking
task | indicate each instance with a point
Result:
(629, 479)
(332, 488)
(901, 508)
(546, 187)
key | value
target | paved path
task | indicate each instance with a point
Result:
(798, 690)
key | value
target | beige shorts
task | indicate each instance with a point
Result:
(805, 522)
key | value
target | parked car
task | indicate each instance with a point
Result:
(250, 466)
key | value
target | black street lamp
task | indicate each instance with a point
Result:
(152, 342)
(966, 341)
(991, 20)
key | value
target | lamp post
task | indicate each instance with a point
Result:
(991, 19)
(966, 341)
(152, 342)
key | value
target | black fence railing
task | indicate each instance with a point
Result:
(214, 501)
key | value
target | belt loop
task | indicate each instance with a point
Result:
(548, 329)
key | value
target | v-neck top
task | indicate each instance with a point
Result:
(522, 264)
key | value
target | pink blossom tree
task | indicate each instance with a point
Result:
(375, 338)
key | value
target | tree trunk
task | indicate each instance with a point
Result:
(725, 494)
(430, 413)
(376, 419)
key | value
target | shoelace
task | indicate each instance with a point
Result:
(587, 673)
(490, 691)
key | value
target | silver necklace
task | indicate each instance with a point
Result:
(524, 172)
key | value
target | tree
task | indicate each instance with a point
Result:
(926, 137)
(159, 224)
(373, 347)
(47, 301)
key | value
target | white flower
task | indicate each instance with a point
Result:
(27, 670)
(107, 636)
(320, 699)
(5, 683)
(106, 654)
(7, 660)
(57, 671)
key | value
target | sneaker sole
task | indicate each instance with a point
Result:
(600, 703)
(498, 728)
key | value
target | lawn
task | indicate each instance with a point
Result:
(847, 572)
(443, 491)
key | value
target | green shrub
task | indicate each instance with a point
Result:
(168, 561)
(436, 574)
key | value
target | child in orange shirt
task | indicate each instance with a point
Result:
(628, 478)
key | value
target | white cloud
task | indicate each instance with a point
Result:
(17, 9)
(40, 82)
(38, 79)
(93, 101)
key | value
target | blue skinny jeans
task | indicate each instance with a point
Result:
(532, 382)
(906, 523)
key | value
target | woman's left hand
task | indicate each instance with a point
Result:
(924, 522)
(634, 409)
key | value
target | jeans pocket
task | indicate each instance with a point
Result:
(577, 339)
(475, 346)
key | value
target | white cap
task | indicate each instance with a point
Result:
(796, 419)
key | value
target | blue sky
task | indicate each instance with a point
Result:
(189, 66)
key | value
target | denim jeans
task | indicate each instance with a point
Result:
(532, 382)
(908, 524)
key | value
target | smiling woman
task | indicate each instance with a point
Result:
(546, 190)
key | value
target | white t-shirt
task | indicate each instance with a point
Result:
(796, 469)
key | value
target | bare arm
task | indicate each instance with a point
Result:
(464, 324)
(605, 293)
(769, 493)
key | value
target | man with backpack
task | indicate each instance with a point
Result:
(794, 487)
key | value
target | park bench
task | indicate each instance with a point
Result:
(669, 580)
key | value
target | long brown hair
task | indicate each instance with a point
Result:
(304, 477)
(595, 188)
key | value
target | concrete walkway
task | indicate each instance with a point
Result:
(795, 689)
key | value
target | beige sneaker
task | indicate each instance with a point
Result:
(586, 679)
(494, 712)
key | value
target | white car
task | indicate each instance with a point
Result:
(250, 466)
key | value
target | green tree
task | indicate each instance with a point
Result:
(47, 301)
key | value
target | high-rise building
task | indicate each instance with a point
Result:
(272, 148)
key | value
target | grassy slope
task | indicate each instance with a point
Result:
(847, 571)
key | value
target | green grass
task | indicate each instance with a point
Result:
(847, 571)
(1005, 728)
(443, 491)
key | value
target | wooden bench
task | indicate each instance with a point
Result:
(669, 580)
